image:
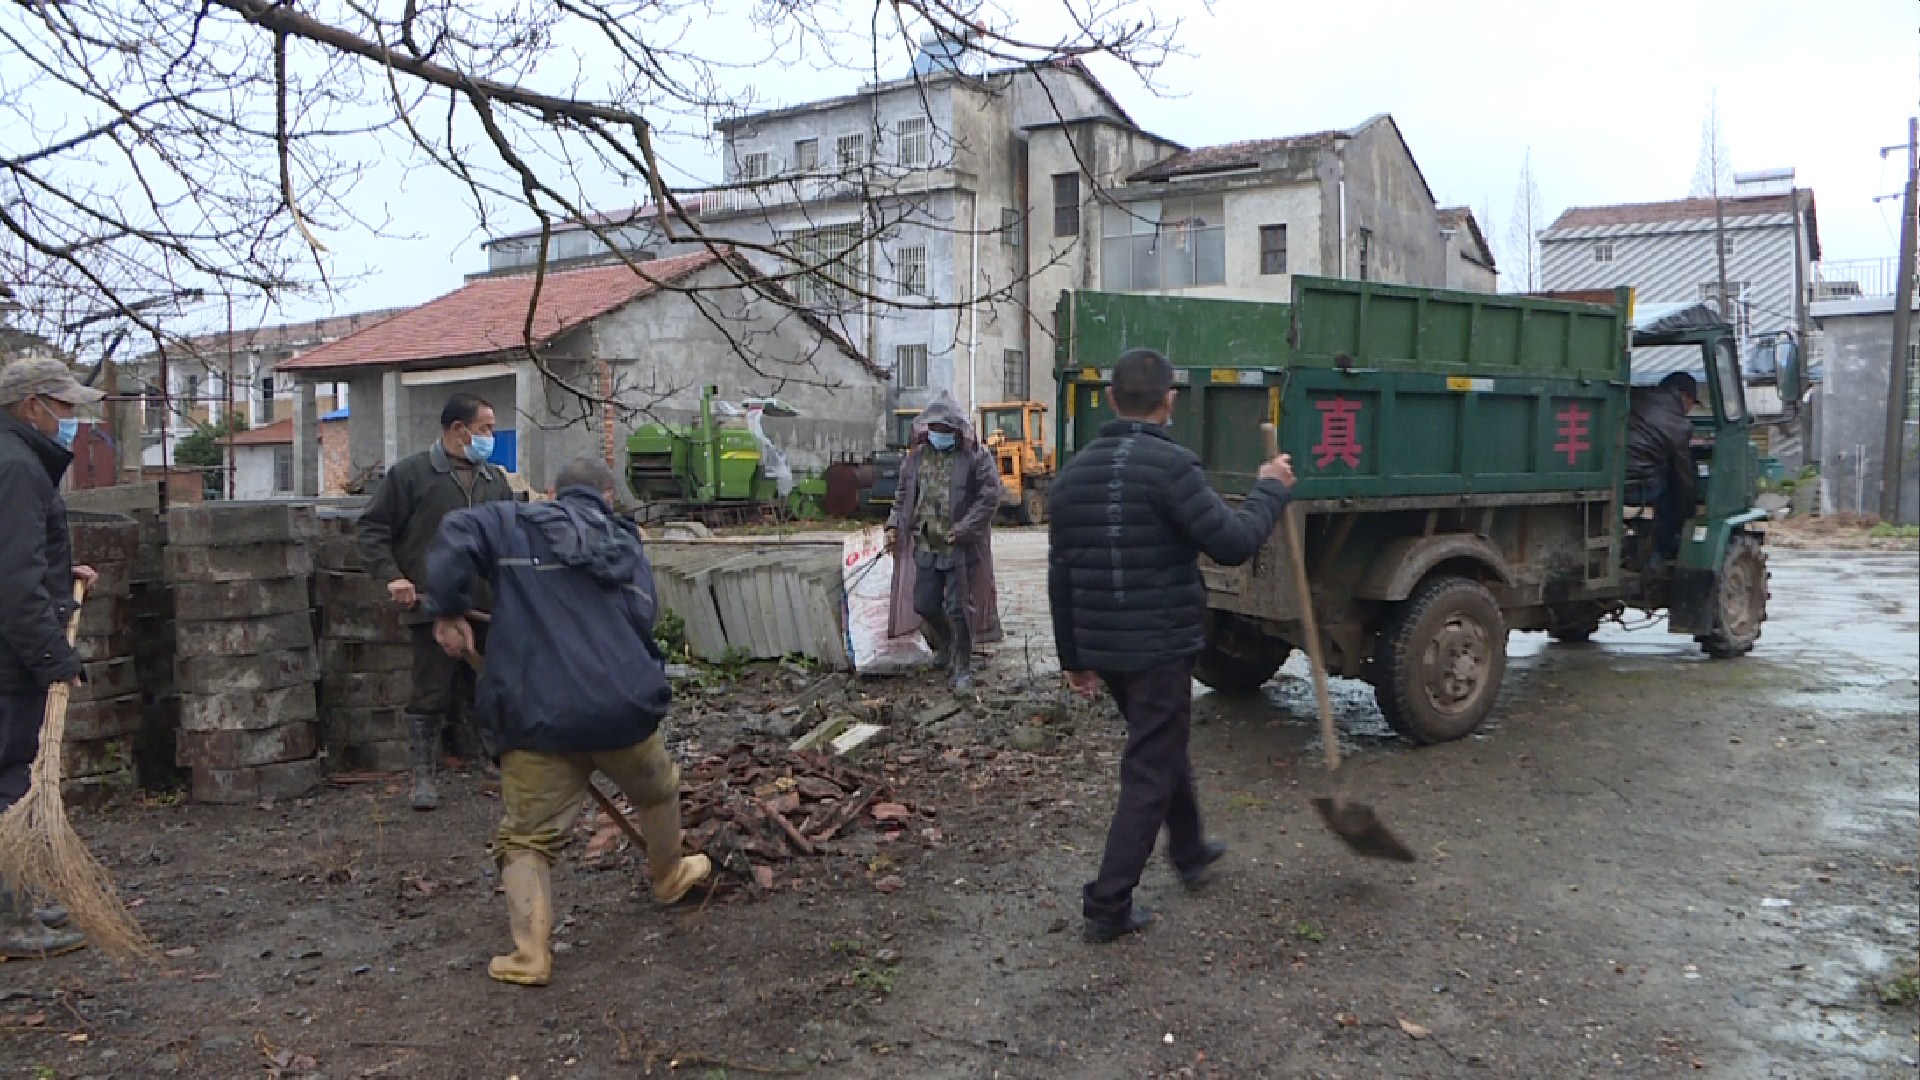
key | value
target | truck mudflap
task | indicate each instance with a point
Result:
(1691, 603)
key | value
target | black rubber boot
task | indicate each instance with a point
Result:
(423, 748)
(939, 635)
(1197, 875)
(1101, 931)
(25, 937)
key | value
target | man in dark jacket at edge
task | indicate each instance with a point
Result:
(1129, 517)
(38, 402)
(394, 533)
(1660, 470)
(574, 683)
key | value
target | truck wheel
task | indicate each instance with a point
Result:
(1235, 674)
(1440, 659)
(1740, 600)
(1033, 507)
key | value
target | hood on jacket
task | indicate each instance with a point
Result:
(944, 410)
(585, 535)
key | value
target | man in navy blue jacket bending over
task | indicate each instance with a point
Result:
(574, 683)
(1128, 519)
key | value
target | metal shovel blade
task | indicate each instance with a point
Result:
(1360, 827)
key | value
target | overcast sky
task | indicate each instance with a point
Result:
(1609, 99)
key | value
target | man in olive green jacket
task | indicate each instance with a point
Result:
(394, 534)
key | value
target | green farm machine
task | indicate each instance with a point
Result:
(720, 469)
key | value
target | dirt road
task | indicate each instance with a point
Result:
(1652, 864)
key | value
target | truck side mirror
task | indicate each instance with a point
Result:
(1778, 360)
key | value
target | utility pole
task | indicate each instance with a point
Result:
(1895, 445)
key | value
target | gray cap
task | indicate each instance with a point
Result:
(44, 377)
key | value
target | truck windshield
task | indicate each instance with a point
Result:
(1733, 396)
(1002, 422)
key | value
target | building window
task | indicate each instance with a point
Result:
(1741, 313)
(1012, 227)
(1016, 381)
(1273, 249)
(283, 469)
(806, 155)
(1603, 251)
(910, 263)
(850, 150)
(1366, 254)
(913, 142)
(1913, 381)
(910, 366)
(755, 166)
(1066, 204)
(1164, 244)
(153, 410)
(830, 261)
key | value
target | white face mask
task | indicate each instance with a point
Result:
(66, 428)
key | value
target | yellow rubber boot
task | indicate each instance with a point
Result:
(673, 875)
(528, 882)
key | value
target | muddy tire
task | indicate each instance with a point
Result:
(1238, 674)
(1739, 600)
(1439, 660)
(1033, 507)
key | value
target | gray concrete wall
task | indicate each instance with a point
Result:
(664, 350)
(1858, 339)
(1464, 271)
(1386, 196)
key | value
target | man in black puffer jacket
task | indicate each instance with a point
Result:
(1128, 519)
(574, 682)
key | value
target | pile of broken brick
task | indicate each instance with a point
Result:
(754, 807)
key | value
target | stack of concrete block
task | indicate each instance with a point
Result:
(152, 604)
(104, 714)
(759, 599)
(244, 663)
(365, 656)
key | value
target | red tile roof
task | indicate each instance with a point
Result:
(280, 431)
(489, 315)
(1675, 210)
(274, 434)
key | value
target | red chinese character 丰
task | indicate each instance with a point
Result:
(1574, 432)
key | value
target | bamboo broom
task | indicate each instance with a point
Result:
(41, 854)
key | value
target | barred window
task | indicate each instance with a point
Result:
(913, 142)
(910, 366)
(910, 266)
(1016, 381)
(850, 150)
(831, 260)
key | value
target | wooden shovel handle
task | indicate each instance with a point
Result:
(1310, 627)
(73, 621)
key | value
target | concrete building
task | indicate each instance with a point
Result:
(648, 340)
(1668, 251)
(208, 375)
(1470, 264)
(262, 459)
(1239, 220)
(1852, 348)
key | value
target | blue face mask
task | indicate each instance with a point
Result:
(480, 450)
(68, 428)
(940, 440)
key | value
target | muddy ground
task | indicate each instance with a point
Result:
(1650, 865)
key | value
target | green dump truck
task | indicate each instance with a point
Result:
(1460, 459)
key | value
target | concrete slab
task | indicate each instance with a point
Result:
(226, 674)
(101, 616)
(337, 656)
(100, 757)
(196, 601)
(855, 737)
(243, 637)
(260, 783)
(364, 689)
(108, 679)
(351, 727)
(106, 646)
(240, 523)
(108, 718)
(240, 562)
(236, 749)
(390, 756)
(248, 710)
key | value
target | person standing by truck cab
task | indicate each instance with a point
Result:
(1660, 470)
(394, 534)
(1127, 521)
(941, 534)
